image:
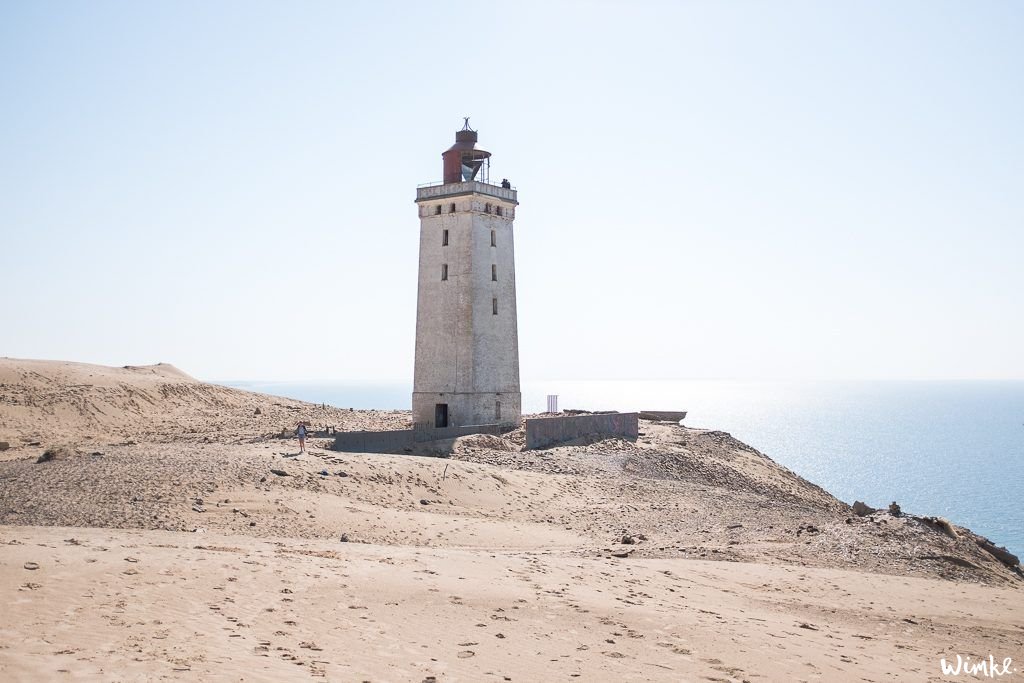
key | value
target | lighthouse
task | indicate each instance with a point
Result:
(467, 341)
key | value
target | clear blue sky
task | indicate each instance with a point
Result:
(747, 190)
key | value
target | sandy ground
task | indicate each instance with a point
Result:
(176, 536)
(108, 604)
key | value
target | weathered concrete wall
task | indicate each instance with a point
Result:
(466, 355)
(551, 431)
(470, 408)
(398, 440)
(453, 432)
(394, 441)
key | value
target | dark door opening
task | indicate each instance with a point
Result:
(441, 415)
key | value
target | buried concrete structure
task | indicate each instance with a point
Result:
(663, 415)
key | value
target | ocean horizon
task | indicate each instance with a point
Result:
(953, 449)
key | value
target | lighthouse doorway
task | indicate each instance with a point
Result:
(441, 415)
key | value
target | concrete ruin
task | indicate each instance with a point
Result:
(546, 432)
(663, 415)
(399, 441)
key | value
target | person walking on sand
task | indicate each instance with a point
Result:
(301, 433)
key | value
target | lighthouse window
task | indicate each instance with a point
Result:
(451, 208)
(494, 306)
(498, 210)
(494, 273)
(494, 239)
(444, 239)
(444, 271)
(487, 208)
(438, 210)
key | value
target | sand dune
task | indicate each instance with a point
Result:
(175, 535)
(53, 401)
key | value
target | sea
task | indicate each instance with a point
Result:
(953, 449)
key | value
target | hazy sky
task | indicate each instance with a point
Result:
(708, 189)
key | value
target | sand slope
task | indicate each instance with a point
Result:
(108, 604)
(56, 401)
(176, 536)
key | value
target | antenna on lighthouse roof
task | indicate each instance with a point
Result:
(466, 125)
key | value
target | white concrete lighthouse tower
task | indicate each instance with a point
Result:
(467, 343)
